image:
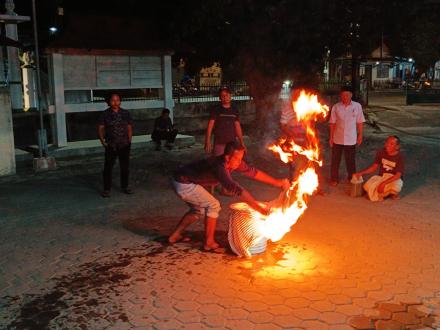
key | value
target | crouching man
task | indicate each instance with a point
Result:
(188, 180)
(390, 162)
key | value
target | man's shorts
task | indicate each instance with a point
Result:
(199, 200)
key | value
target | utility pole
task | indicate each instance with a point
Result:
(43, 162)
(354, 37)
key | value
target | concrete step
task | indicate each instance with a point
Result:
(23, 156)
(90, 147)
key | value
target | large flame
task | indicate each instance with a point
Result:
(308, 111)
(294, 201)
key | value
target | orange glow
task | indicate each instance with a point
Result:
(294, 201)
(308, 111)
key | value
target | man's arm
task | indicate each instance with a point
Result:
(208, 146)
(266, 178)
(250, 200)
(101, 134)
(368, 170)
(239, 132)
(332, 132)
(360, 127)
(130, 132)
(382, 185)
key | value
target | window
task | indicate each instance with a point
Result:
(383, 71)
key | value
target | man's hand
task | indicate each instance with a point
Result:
(104, 144)
(262, 208)
(208, 147)
(359, 140)
(284, 184)
(381, 188)
(330, 142)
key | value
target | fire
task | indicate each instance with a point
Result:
(294, 201)
(308, 111)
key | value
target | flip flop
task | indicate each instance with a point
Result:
(183, 239)
(217, 250)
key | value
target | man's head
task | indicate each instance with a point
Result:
(165, 113)
(346, 94)
(392, 145)
(233, 155)
(225, 96)
(114, 101)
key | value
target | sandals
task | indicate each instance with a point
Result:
(217, 250)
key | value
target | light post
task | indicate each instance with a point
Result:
(42, 163)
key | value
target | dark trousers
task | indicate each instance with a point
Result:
(350, 161)
(123, 154)
(169, 136)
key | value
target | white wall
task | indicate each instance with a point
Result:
(93, 72)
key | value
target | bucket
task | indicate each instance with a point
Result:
(244, 227)
(356, 187)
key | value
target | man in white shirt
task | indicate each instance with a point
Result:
(346, 123)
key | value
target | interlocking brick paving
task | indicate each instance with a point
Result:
(72, 260)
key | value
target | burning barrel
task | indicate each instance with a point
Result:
(244, 233)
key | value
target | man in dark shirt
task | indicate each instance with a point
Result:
(390, 163)
(115, 132)
(164, 130)
(224, 122)
(188, 180)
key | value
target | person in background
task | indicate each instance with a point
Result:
(346, 124)
(115, 130)
(164, 130)
(224, 124)
(390, 163)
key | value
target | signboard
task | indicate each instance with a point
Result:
(113, 71)
(146, 71)
(79, 71)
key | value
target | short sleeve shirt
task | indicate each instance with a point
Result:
(389, 164)
(288, 118)
(116, 126)
(224, 127)
(345, 119)
(213, 170)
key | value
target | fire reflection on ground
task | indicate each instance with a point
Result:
(283, 261)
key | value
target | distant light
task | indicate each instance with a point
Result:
(53, 29)
(377, 63)
(410, 59)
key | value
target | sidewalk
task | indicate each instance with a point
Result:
(73, 260)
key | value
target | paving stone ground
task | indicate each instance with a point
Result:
(72, 260)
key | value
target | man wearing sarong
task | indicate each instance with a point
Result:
(390, 163)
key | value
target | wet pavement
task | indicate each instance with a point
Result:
(72, 260)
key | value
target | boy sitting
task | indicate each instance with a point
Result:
(390, 162)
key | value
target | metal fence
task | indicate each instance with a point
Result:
(189, 93)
